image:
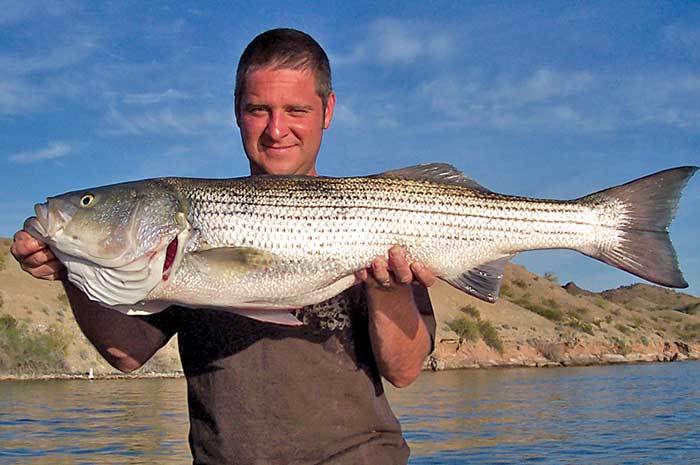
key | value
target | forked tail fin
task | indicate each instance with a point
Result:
(646, 208)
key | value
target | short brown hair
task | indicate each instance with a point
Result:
(285, 49)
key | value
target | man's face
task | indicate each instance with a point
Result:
(282, 120)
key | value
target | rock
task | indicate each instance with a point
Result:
(682, 347)
(435, 364)
(613, 358)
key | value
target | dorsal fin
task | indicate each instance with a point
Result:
(483, 281)
(436, 172)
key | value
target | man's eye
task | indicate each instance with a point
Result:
(256, 110)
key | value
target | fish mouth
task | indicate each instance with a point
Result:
(50, 219)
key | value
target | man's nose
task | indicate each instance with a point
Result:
(277, 127)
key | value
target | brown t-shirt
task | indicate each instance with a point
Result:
(262, 393)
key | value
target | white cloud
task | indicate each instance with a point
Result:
(58, 57)
(16, 96)
(149, 98)
(54, 150)
(12, 11)
(30, 81)
(571, 101)
(345, 116)
(543, 85)
(167, 120)
(392, 41)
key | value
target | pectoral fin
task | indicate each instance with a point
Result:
(240, 258)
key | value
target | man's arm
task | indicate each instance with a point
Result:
(400, 335)
(126, 342)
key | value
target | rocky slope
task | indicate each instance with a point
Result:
(536, 322)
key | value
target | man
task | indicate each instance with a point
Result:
(264, 393)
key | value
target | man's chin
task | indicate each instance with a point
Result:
(284, 167)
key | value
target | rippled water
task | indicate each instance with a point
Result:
(635, 414)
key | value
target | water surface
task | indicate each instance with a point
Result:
(632, 414)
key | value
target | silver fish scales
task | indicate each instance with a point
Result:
(281, 242)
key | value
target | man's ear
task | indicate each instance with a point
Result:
(236, 111)
(328, 113)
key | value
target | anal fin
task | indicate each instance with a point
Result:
(280, 317)
(483, 281)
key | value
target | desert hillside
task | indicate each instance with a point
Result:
(536, 322)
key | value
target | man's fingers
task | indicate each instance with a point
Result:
(39, 258)
(51, 270)
(399, 265)
(362, 274)
(24, 245)
(423, 274)
(380, 270)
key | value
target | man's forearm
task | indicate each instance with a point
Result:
(126, 342)
(400, 337)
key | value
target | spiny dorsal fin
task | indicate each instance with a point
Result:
(436, 172)
(483, 281)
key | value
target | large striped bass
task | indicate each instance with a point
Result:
(275, 242)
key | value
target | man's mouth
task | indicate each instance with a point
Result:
(277, 148)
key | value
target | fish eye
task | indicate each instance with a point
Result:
(86, 200)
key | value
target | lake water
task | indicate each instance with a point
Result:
(632, 414)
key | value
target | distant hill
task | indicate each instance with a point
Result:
(536, 322)
(652, 298)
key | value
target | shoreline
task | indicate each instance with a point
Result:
(431, 364)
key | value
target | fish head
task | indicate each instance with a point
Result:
(122, 233)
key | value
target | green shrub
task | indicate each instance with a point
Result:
(690, 309)
(490, 335)
(637, 322)
(7, 322)
(551, 303)
(623, 329)
(471, 310)
(470, 330)
(23, 351)
(580, 325)
(580, 311)
(622, 346)
(690, 331)
(551, 277)
(520, 283)
(549, 313)
(505, 291)
(465, 328)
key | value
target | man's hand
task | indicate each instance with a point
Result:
(396, 271)
(35, 257)
(399, 334)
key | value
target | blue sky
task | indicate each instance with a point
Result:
(543, 99)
